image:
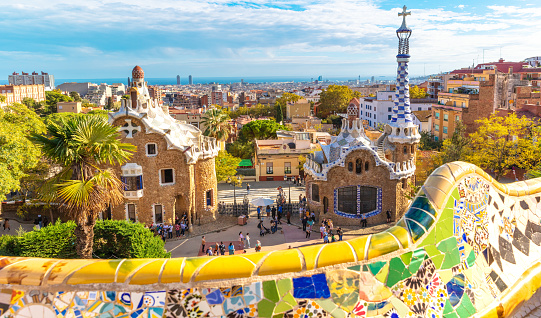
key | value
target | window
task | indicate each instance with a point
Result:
(347, 200)
(457, 118)
(437, 127)
(315, 192)
(437, 115)
(358, 166)
(405, 150)
(133, 183)
(366, 166)
(152, 150)
(374, 108)
(158, 213)
(208, 195)
(374, 116)
(287, 167)
(445, 117)
(389, 109)
(131, 212)
(389, 117)
(412, 148)
(368, 199)
(350, 166)
(167, 176)
(436, 138)
(269, 168)
(444, 129)
(419, 108)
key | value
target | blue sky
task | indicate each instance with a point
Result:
(103, 39)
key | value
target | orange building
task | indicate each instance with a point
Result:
(16, 93)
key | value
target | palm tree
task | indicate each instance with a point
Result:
(83, 189)
(216, 123)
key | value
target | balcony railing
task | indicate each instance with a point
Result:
(133, 195)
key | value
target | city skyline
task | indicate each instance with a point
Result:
(101, 39)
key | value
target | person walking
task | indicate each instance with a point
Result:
(222, 248)
(339, 232)
(258, 246)
(241, 240)
(170, 229)
(304, 222)
(203, 242)
(177, 229)
(231, 249)
(258, 212)
(308, 232)
(388, 216)
(247, 240)
(322, 229)
(288, 215)
(182, 228)
(268, 210)
(248, 188)
(6, 224)
(273, 212)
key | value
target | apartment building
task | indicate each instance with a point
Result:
(45, 79)
(16, 93)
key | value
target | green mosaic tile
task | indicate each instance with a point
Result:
(466, 308)
(451, 259)
(327, 304)
(447, 245)
(437, 260)
(282, 307)
(265, 308)
(270, 291)
(396, 269)
(284, 286)
(400, 307)
(356, 268)
(365, 268)
(119, 310)
(471, 259)
(383, 273)
(417, 260)
(406, 258)
(455, 194)
(448, 307)
(430, 239)
(375, 267)
(432, 250)
(278, 316)
(106, 315)
(290, 299)
(339, 313)
(451, 315)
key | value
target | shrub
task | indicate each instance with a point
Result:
(112, 239)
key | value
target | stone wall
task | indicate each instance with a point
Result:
(467, 247)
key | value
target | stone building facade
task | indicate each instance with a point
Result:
(172, 172)
(355, 178)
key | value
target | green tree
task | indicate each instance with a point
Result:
(416, 92)
(83, 189)
(75, 96)
(17, 154)
(457, 147)
(260, 129)
(279, 115)
(335, 98)
(216, 124)
(226, 165)
(428, 141)
(110, 104)
(243, 150)
(41, 108)
(53, 97)
(501, 143)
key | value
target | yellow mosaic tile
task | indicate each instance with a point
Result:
(458, 169)
(501, 187)
(148, 274)
(191, 265)
(255, 257)
(237, 266)
(281, 262)
(64, 268)
(401, 234)
(102, 271)
(335, 253)
(359, 245)
(445, 172)
(5, 261)
(381, 244)
(310, 254)
(28, 272)
(483, 174)
(128, 267)
(534, 186)
(440, 182)
(171, 271)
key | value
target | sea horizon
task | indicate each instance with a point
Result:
(210, 80)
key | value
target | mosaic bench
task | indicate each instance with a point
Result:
(467, 246)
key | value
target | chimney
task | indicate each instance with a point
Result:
(511, 70)
(501, 60)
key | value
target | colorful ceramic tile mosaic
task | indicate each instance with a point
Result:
(473, 251)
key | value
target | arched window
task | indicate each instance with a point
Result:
(405, 150)
(350, 166)
(412, 148)
(404, 183)
(358, 166)
(366, 166)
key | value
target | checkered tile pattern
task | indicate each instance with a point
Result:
(401, 109)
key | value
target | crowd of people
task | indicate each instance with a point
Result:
(169, 231)
(220, 249)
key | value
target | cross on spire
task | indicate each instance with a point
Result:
(404, 13)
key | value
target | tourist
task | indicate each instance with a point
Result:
(170, 230)
(288, 215)
(333, 239)
(247, 240)
(258, 246)
(164, 234)
(388, 216)
(182, 228)
(339, 232)
(216, 249)
(258, 212)
(330, 224)
(268, 210)
(231, 249)
(363, 221)
(322, 229)
(313, 216)
(209, 251)
(177, 229)
(308, 232)
(300, 198)
(304, 200)
(241, 239)
(325, 238)
(304, 222)
(273, 211)
(280, 211)
(6, 225)
(248, 188)
(222, 248)
(310, 223)
(203, 242)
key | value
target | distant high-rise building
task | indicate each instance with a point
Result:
(178, 79)
(320, 78)
(372, 79)
(129, 82)
(32, 79)
(190, 80)
(242, 82)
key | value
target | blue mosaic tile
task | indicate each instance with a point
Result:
(321, 287)
(455, 289)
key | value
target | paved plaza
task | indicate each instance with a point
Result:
(258, 189)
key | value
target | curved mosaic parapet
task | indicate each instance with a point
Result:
(467, 246)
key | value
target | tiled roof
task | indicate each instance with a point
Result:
(422, 115)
